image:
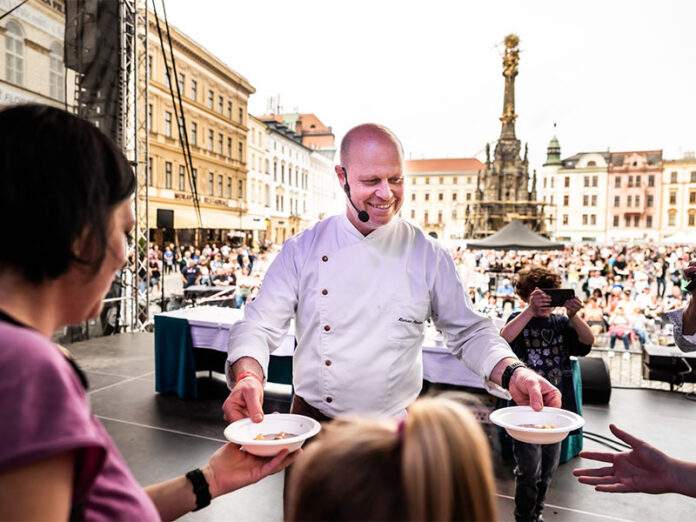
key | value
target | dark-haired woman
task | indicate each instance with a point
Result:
(57, 461)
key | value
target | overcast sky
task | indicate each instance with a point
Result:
(613, 74)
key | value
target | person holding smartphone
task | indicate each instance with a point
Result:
(544, 342)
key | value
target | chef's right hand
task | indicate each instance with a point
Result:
(245, 400)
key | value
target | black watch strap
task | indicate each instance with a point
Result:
(507, 373)
(200, 488)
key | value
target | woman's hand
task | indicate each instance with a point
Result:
(538, 301)
(231, 468)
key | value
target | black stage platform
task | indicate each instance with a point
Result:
(162, 436)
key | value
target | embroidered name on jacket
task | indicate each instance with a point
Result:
(411, 321)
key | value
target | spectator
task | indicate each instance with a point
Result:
(191, 274)
(620, 328)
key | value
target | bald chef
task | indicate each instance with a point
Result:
(361, 286)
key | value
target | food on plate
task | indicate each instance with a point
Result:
(274, 436)
(539, 426)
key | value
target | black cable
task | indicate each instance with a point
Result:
(193, 178)
(13, 9)
(608, 439)
(603, 443)
(176, 114)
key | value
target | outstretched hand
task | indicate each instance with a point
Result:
(644, 469)
(230, 468)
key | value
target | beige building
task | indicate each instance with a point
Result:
(438, 195)
(31, 54)
(215, 100)
(679, 198)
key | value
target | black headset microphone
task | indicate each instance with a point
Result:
(362, 214)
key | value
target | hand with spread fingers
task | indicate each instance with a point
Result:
(644, 469)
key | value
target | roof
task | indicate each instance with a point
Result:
(515, 236)
(444, 165)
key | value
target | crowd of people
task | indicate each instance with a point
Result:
(625, 289)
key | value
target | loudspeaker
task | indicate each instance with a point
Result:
(165, 218)
(596, 381)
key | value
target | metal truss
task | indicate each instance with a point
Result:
(134, 19)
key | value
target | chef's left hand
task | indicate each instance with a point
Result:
(528, 387)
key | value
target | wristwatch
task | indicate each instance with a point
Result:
(200, 488)
(507, 373)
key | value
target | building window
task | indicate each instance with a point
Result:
(14, 53)
(637, 201)
(275, 170)
(194, 90)
(616, 221)
(57, 73)
(211, 99)
(692, 219)
(220, 185)
(617, 182)
(427, 180)
(693, 176)
(149, 116)
(211, 139)
(425, 217)
(585, 200)
(672, 218)
(282, 173)
(439, 216)
(150, 67)
(673, 177)
(638, 180)
(241, 115)
(629, 201)
(565, 219)
(455, 180)
(566, 181)
(168, 124)
(181, 82)
(636, 221)
(692, 197)
(651, 180)
(168, 175)
(149, 171)
(229, 188)
(413, 196)
(594, 200)
(440, 197)
(413, 214)
(194, 177)
(442, 180)
(229, 110)
(584, 219)
(672, 197)
(427, 196)
(211, 183)
(648, 221)
(240, 149)
(627, 221)
(221, 104)
(220, 140)
(617, 201)
(544, 182)
(454, 196)
(454, 214)
(553, 180)
(240, 189)
(565, 200)
(229, 148)
(586, 181)
(194, 133)
(594, 181)
(182, 178)
(593, 219)
(468, 196)
(649, 200)
(591, 163)
(630, 181)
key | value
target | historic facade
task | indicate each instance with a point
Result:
(215, 100)
(31, 54)
(679, 198)
(438, 195)
(504, 190)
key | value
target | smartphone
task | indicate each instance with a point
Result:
(559, 296)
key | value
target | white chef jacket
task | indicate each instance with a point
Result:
(360, 304)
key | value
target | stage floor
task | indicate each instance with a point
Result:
(163, 436)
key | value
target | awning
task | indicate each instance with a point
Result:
(514, 236)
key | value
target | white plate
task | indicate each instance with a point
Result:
(244, 431)
(511, 418)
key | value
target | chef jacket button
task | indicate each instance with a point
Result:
(327, 328)
(324, 291)
(327, 362)
(329, 399)
(324, 258)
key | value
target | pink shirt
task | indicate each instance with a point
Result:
(44, 412)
